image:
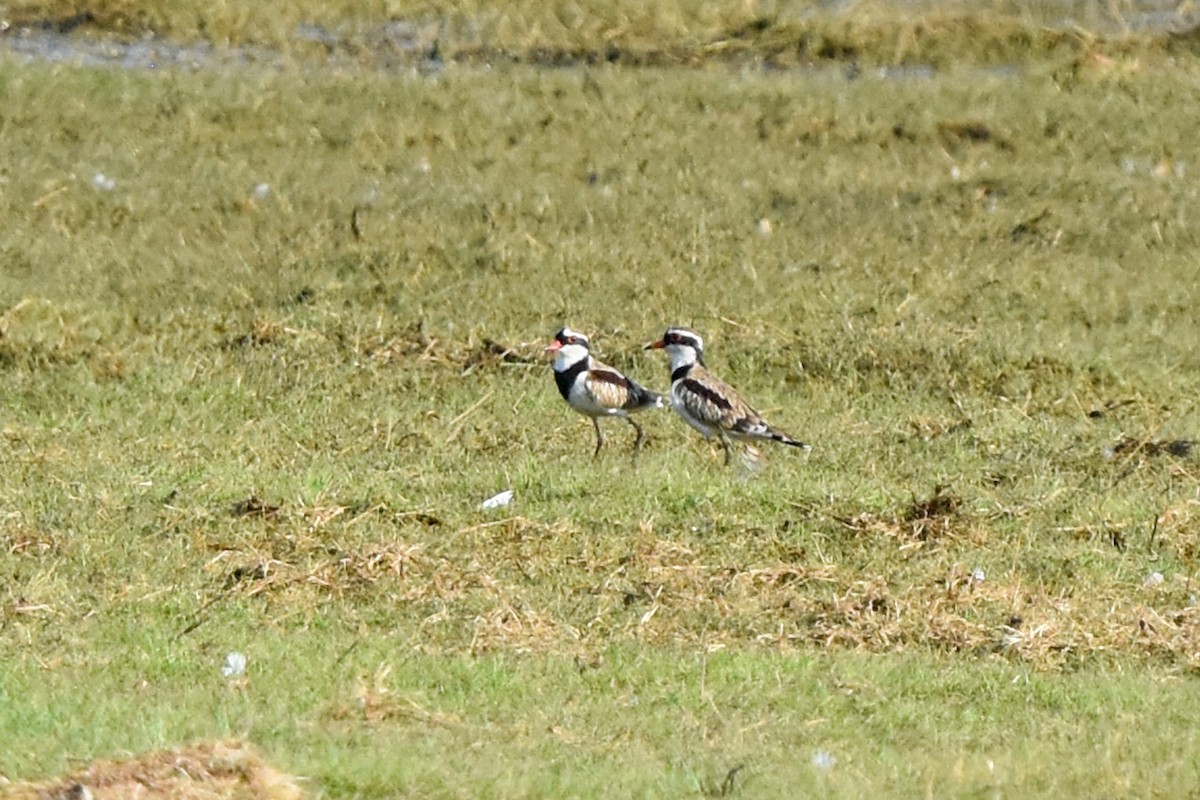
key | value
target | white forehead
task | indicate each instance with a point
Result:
(693, 339)
(570, 354)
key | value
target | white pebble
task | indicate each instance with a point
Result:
(103, 182)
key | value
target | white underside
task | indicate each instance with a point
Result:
(583, 402)
(706, 430)
(579, 398)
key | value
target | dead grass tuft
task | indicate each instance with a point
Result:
(207, 771)
(19, 538)
(666, 592)
(375, 703)
(492, 353)
(1053, 632)
(263, 332)
(1177, 529)
(318, 566)
(410, 345)
(972, 132)
(1180, 448)
(932, 517)
(964, 614)
(923, 521)
(929, 428)
(413, 346)
(513, 625)
(253, 506)
(37, 334)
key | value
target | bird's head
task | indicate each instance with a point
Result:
(683, 347)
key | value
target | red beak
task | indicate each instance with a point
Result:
(659, 345)
(555, 345)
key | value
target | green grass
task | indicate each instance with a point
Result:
(264, 420)
(644, 722)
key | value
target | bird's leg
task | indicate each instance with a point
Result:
(599, 437)
(728, 450)
(641, 435)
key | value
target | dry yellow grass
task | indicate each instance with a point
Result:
(229, 770)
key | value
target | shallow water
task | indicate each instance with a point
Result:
(388, 45)
(55, 47)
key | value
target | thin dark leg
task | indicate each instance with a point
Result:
(641, 435)
(599, 437)
(728, 450)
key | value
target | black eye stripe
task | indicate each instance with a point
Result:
(562, 337)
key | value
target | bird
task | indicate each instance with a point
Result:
(706, 402)
(595, 389)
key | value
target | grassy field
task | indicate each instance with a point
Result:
(270, 336)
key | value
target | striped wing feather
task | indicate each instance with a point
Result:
(714, 402)
(610, 388)
(614, 390)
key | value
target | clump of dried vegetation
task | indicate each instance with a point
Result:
(209, 771)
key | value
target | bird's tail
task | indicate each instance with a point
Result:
(757, 428)
(783, 438)
(642, 398)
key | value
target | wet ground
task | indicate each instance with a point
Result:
(401, 43)
(69, 42)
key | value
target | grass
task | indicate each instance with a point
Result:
(779, 34)
(257, 387)
(659, 723)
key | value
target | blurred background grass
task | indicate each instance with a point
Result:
(781, 33)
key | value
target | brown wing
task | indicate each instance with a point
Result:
(714, 402)
(610, 388)
(607, 386)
